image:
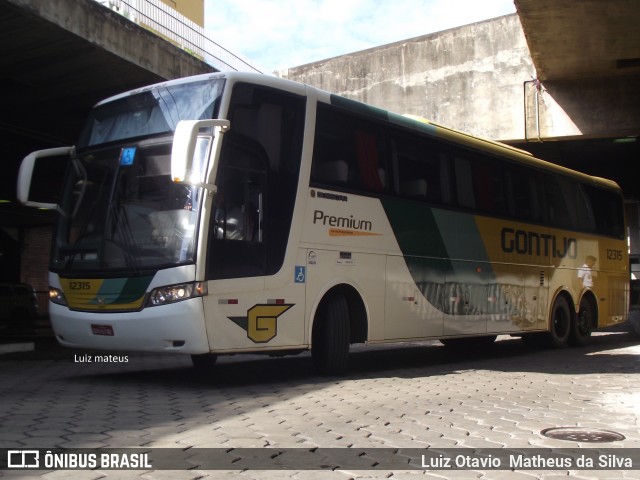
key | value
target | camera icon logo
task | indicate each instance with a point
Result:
(23, 459)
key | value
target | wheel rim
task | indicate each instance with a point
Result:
(584, 321)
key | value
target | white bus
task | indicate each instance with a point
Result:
(239, 213)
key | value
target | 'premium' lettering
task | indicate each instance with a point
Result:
(341, 222)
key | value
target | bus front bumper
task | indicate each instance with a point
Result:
(177, 327)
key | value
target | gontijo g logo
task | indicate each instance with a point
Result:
(261, 322)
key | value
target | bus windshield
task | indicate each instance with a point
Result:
(151, 112)
(120, 210)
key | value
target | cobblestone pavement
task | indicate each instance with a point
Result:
(410, 396)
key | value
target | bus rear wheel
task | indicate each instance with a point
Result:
(583, 324)
(561, 321)
(330, 337)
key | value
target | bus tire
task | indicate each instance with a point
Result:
(560, 328)
(583, 323)
(204, 362)
(330, 337)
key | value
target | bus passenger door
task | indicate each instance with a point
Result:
(256, 283)
(238, 247)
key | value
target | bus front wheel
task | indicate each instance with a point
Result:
(330, 337)
(558, 335)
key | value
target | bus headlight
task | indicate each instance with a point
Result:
(56, 296)
(176, 293)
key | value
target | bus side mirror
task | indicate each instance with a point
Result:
(192, 145)
(40, 177)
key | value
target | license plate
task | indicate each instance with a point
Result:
(106, 330)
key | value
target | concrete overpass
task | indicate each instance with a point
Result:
(58, 58)
(587, 59)
(579, 41)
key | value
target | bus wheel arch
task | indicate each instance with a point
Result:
(339, 320)
(585, 320)
(561, 318)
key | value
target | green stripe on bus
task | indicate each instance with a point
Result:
(415, 228)
(445, 255)
(133, 289)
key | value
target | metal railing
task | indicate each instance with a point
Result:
(178, 29)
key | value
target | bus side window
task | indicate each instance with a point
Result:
(464, 183)
(606, 208)
(562, 209)
(419, 169)
(372, 172)
(523, 198)
(336, 172)
(480, 183)
(348, 152)
(332, 163)
(446, 189)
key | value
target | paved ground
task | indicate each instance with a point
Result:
(414, 396)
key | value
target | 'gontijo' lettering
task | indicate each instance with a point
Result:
(341, 222)
(534, 243)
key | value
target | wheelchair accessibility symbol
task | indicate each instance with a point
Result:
(300, 274)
